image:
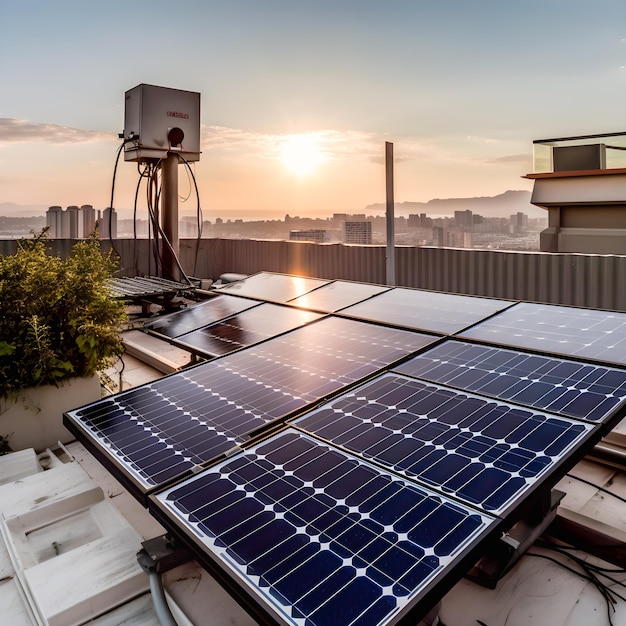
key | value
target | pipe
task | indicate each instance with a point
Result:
(607, 453)
(161, 606)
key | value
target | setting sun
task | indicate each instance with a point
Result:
(302, 154)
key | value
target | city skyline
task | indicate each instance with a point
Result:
(298, 98)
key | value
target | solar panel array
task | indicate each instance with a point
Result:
(200, 315)
(583, 390)
(337, 295)
(164, 429)
(244, 329)
(425, 310)
(583, 333)
(488, 454)
(348, 462)
(274, 287)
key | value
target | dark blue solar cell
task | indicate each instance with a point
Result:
(297, 546)
(286, 561)
(457, 534)
(359, 603)
(264, 538)
(297, 583)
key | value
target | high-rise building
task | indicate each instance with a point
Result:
(356, 232)
(89, 220)
(463, 219)
(71, 222)
(107, 225)
(54, 222)
(438, 236)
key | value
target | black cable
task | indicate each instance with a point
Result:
(602, 489)
(198, 214)
(117, 160)
(599, 586)
(593, 572)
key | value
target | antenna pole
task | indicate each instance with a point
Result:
(390, 253)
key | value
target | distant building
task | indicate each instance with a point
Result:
(71, 222)
(356, 232)
(107, 225)
(89, 220)
(54, 222)
(317, 235)
(518, 223)
(463, 219)
(438, 236)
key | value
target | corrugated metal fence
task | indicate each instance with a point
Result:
(573, 279)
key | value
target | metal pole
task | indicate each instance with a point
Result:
(169, 216)
(391, 256)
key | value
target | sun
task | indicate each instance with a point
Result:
(302, 154)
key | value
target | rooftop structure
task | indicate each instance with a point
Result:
(580, 181)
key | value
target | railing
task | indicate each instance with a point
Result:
(612, 146)
(585, 280)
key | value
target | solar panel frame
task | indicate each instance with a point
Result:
(586, 334)
(458, 444)
(352, 526)
(582, 390)
(426, 311)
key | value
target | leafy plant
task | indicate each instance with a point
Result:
(57, 317)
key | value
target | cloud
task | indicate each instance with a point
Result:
(523, 158)
(14, 130)
(333, 144)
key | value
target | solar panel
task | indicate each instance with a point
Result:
(337, 295)
(245, 329)
(568, 331)
(154, 433)
(488, 453)
(582, 390)
(199, 315)
(315, 536)
(274, 287)
(425, 310)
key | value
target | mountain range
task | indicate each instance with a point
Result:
(502, 205)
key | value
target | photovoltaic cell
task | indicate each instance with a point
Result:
(425, 310)
(199, 315)
(274, 287)
(484, 452)
(320, 537)
(568, 331)
(582, 390)
(245, 329)
(337, 295)
(161, 430)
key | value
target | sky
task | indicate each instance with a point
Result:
(298, 97)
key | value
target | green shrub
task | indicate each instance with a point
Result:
(57, 317)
